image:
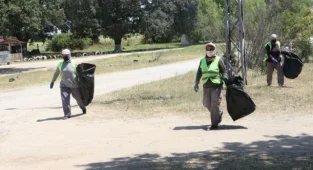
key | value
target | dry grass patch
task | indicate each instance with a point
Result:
(176, 95)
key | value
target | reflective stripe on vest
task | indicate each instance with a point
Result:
(60, 65)
(211, 72)
(270, 44)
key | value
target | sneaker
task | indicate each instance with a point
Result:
(84, 111)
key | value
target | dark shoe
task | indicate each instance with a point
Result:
(66, 117)
(84, 111)
(213, 127)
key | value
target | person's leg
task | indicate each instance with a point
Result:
(270, 69)
(216, 113)
(280, 75)
(207, 98)
(66, 101)
(77, 96)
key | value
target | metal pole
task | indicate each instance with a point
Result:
(228, 43)
(235, 39)
(241, 40)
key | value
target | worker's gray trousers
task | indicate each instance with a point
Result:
(66, 98)
(280, 74)
(212, 98)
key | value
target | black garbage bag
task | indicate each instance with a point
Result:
(292, 66)
(86, 79)
(239, 103)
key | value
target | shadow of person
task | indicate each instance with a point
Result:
(205, 127)
(58, 118)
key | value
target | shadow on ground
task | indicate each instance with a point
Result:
(204, 127)
(279, 152)
(14, 70)
(58, 118)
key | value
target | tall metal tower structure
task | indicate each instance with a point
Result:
(235, 39)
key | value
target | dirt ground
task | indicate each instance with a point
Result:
(33, 135)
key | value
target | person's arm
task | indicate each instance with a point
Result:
(222, 69)
(199, 74)
(56, 75)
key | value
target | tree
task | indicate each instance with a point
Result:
(158, 20)
(210, 21)
(118, 18)
(27, 19)
(185, 16)
(81, 18)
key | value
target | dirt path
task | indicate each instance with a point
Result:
(43, 65)
(32, 136)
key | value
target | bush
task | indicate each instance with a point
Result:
(304, 48)
(62, 41)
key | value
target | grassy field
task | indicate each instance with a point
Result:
(121, 63)
(176, 95)
(107, 44)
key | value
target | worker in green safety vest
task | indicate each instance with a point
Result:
(212, 72)
(273, 60)
(69, 83)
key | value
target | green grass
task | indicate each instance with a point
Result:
(176, 95)
(142, 60)
(107, 44)
(121, 63)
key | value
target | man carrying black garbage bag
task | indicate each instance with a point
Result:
(212, 71)
(69, 83)
(273, 60)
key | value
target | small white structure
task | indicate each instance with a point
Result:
(184, 40)
(11, 49)
(5, 57)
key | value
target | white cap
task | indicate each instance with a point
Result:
(273, 36)
(66, 52)
(210, 44)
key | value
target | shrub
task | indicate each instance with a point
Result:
(62, 41)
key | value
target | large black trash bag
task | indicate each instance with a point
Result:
(239, 103)
(292, 66)
(86, 81)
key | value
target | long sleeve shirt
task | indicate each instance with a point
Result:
(209, 83)
(274, 53)
(69, 78)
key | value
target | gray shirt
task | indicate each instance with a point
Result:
(69, 77)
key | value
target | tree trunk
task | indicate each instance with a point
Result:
(95, 39)
(118, 44)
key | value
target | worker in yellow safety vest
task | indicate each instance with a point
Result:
(212, 72)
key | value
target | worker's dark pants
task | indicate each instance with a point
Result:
(212, 98)
(66, 98)
(280, 74)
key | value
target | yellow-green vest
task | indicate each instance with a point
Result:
(61, 64)
(270, 44)
(211, 72)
